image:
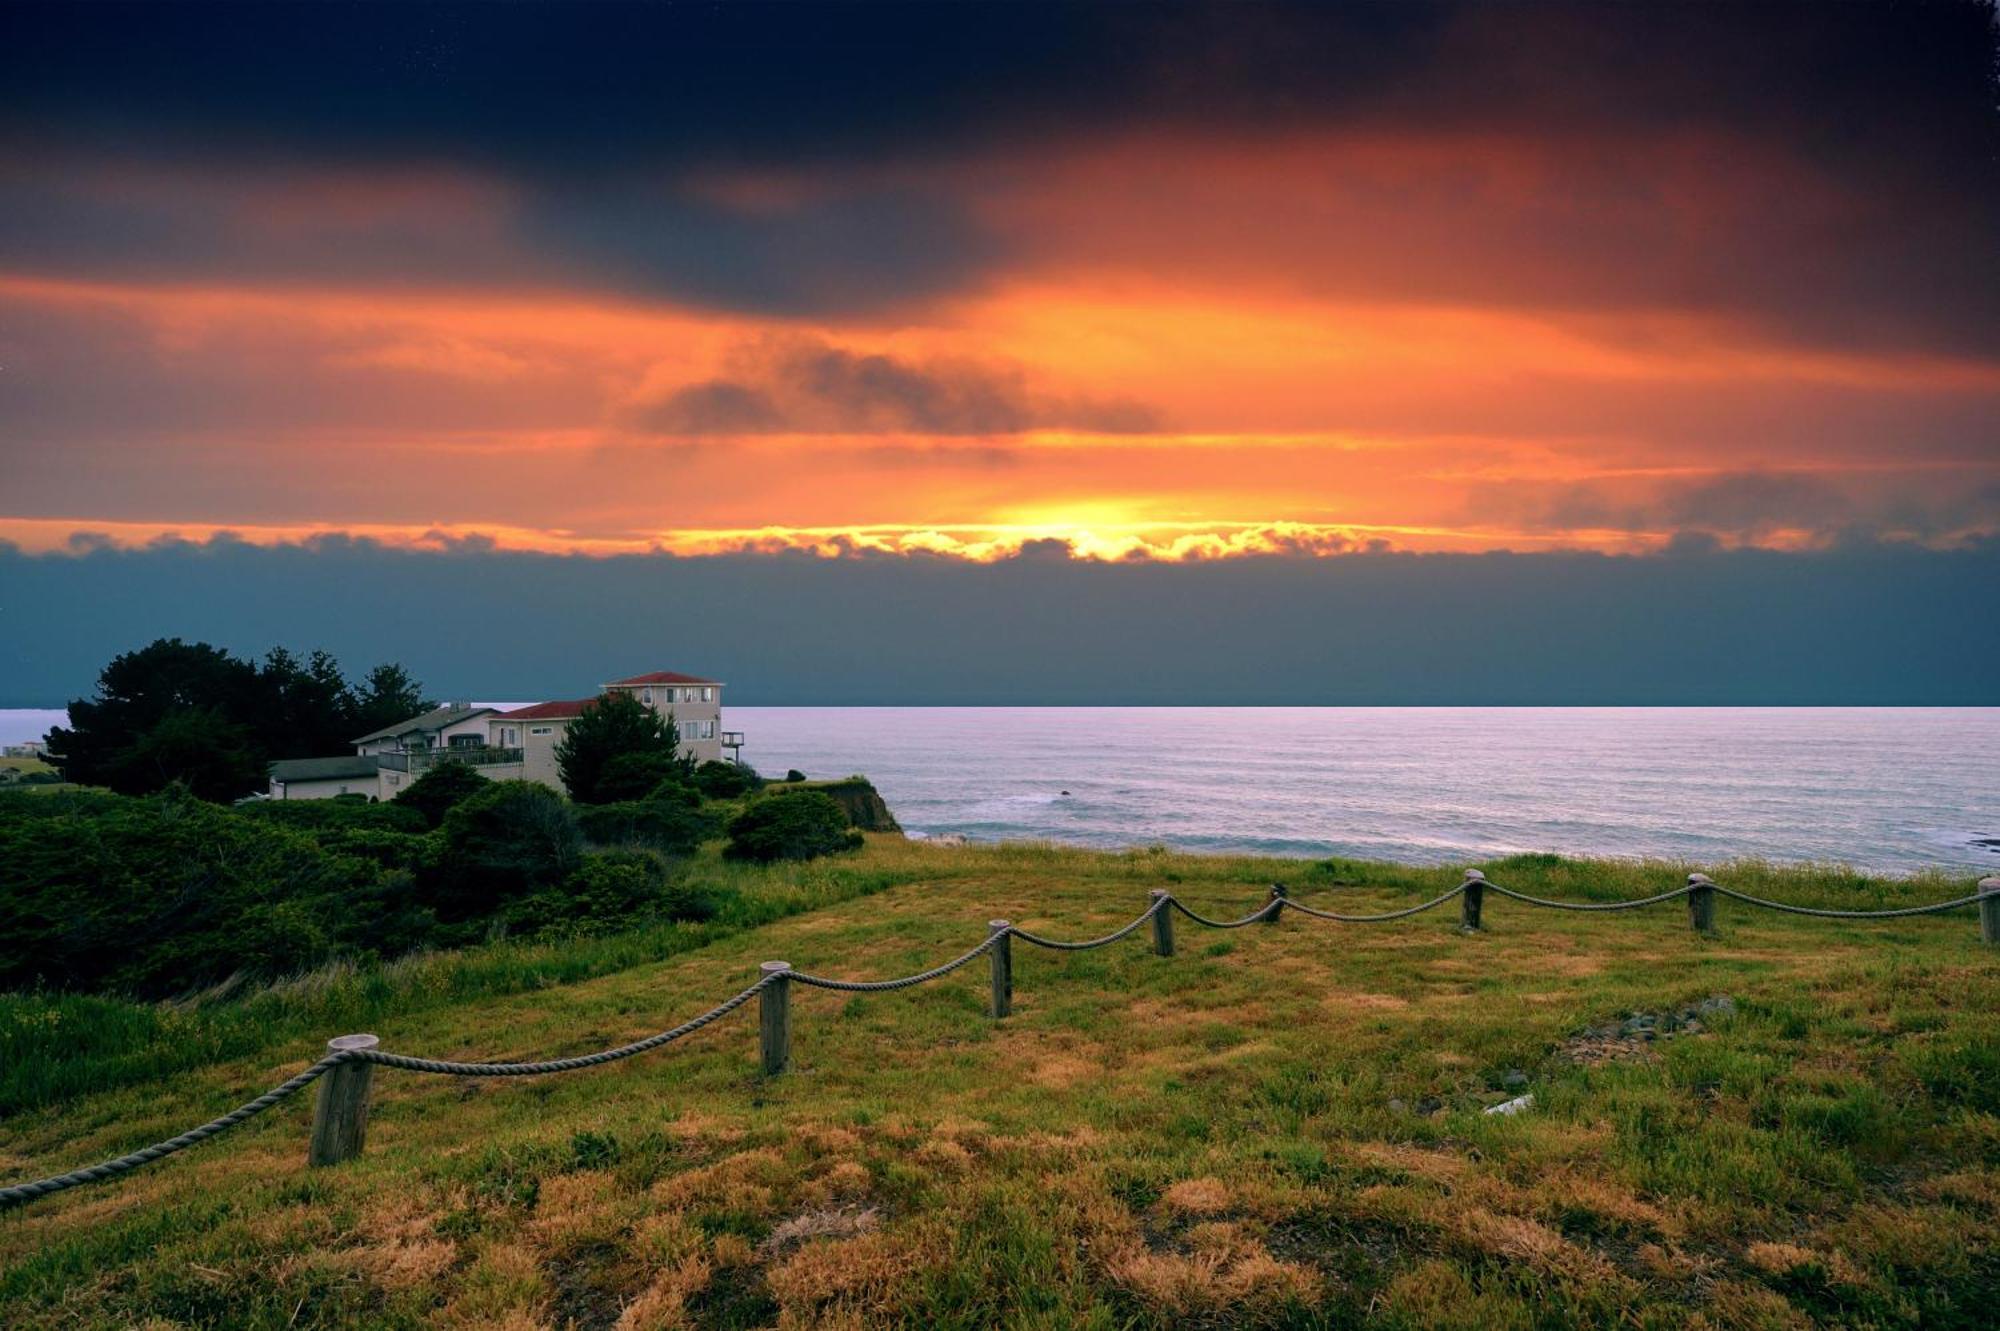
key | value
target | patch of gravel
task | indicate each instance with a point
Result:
(1634, 1035)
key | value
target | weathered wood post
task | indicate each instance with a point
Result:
(1163, 924)
(1471, 901)
(774, 1011)
(1701, 903)
(1003, 968)
(340, 1115)
(1989, 911)
(1277, 903)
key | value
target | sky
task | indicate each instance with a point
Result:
(1160, 280)
(1173, 284)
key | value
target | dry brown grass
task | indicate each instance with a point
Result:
(1197, 1196)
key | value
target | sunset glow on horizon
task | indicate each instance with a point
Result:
(1384, 322)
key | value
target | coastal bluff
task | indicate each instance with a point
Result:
(859, 800)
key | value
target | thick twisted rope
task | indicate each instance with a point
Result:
(409, 1064)
(27, 1192)
(1258, 914)
(1588, 905)
(1933, 909)
(1055, 944)
(1375, 919)
(879, 986)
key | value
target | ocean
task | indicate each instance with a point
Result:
(1886, 789)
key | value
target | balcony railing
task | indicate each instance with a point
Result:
(422, 760)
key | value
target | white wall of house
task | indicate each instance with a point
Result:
(696, 709)
(537, 740)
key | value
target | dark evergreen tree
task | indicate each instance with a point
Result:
(135, 693)
(309, 710)
(196, 747)
(156, 708)
(389, 694)
(615, 729)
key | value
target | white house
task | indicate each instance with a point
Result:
(503, 746)
(695, 704)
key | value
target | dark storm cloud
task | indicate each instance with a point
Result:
(566, 88)
(599, 119)
(1044, 628)
(807, 386)
(852, 248)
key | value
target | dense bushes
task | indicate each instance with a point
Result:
(510, 839)
(614, 890)
(794, 825)
(725, 781)
(167, 894)
(439, 791)
(670, 826)
(326, 815)
(164, 895)
(633, 776)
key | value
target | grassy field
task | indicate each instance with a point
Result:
(1280, 1126)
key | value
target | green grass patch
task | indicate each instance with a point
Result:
(1278, 1127)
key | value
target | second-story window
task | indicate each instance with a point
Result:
(707, 694)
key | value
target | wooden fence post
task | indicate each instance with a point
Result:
(774, 1011)
(1277, 903)
(1003, 968)
(1701, 903)
(340, 1115)
(1471, 901)
(1163, 924)
(1989, 911)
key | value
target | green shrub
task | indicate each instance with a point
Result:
(342, 812)
(164, 894)
(725, 781)
(632, 776)
(439, 791)
(510, 839)
(675, 790)
(799, 825)
(611, 890)
(390, 849)
(669, 825)
(794, 774)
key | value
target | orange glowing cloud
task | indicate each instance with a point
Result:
(1195, 346)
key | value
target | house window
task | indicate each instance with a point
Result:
(646, 696)
(707, 694)
(541, 730)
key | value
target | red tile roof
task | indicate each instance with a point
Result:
(661, 677)
(549, 711)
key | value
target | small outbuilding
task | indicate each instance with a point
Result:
(323, 778)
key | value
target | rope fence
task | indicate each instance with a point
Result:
(345, 1073)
